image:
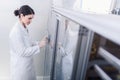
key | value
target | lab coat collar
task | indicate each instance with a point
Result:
(25, 30)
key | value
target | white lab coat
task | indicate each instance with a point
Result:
(22, 50)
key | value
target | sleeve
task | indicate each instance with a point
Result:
(35, 43)
(19, 48)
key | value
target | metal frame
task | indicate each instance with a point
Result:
(52, 76)
(82, 53)
(85, 49)
(76, 59)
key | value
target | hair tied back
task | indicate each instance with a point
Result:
(16, 12)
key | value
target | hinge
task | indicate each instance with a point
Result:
(83, 31)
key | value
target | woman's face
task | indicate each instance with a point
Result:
(26, 20)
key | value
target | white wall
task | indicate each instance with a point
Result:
(37, 30)
(7, 20)
(117, 4)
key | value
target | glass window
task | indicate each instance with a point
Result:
(66, 49)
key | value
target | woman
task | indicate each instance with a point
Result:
(22, 48)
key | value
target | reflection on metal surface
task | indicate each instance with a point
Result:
(67, 50)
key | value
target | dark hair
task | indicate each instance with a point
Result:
(25, 10)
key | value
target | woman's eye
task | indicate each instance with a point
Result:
(29, 18)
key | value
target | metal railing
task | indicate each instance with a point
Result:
(103, 75)
(109, 58)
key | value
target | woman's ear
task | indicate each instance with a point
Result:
(21, 15)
